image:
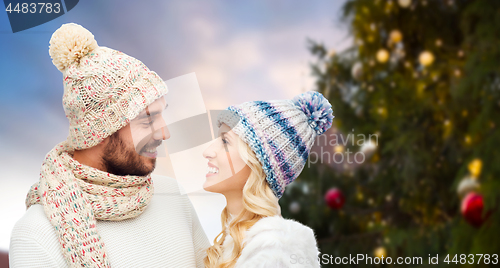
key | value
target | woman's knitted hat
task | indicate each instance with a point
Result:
(281, 133)
(103, 88)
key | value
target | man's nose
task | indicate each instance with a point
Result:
(161, 134)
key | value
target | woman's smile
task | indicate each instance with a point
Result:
(212, 170)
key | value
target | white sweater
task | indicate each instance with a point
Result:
(167, 234)
(274, 242)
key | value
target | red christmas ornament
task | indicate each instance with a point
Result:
(472, 209)
(334, 198)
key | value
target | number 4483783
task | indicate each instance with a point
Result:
(470, 259)
(34, 7)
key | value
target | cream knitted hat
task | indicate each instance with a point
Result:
(103, 88)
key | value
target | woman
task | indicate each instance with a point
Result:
(263, 147)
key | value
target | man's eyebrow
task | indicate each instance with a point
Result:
(144, 114)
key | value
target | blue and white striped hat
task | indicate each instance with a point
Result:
(281, 133)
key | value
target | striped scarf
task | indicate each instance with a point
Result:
(74, 196)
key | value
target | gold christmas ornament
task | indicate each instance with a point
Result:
(475, 167)
(404, 3)
(382, 55)
(395, 36)
(426, 58)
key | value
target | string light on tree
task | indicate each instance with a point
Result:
(380, 252)
(468, 139)
(426, 58)
(338, 148)
(383, 55)
(404, 3)
(294, 207)
(357, 70)
(447, 128)
(382, 111)
(395, 37)
(475, 167)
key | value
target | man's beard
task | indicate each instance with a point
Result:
(122, 161)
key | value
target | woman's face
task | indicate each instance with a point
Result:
(227, 172)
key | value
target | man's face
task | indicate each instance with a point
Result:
(132, 149)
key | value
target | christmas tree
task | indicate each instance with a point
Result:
(422, 80)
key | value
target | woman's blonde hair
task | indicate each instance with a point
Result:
(259, 201)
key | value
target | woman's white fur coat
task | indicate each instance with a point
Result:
(276, 242)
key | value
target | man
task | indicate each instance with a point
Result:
(94, 204)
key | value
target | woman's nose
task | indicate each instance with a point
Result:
(209, 152)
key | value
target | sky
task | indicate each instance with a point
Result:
(238, 50)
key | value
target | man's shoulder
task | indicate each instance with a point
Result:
(34, 225)
(34, 242)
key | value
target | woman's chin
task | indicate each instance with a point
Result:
(210, 186)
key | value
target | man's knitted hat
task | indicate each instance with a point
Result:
(281, 133)
(103, 88)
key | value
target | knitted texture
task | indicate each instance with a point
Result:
(103, 88)
(75, 195)
(281, 133)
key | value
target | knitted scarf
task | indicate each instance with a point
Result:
(74, 196)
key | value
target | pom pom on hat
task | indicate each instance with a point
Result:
(317, 109)
(69, 44)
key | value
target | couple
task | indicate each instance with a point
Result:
(94, 205)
